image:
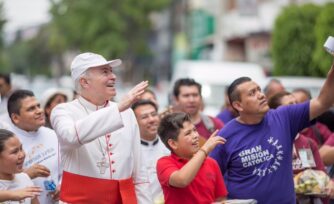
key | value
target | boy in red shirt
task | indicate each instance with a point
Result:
(187, 175)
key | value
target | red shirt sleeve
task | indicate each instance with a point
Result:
(165, 167)
(330, 140)
(218, 123)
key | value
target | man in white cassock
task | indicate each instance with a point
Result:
(99, 139)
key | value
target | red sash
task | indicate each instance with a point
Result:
(77, 189)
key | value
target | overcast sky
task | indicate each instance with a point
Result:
(25, 13)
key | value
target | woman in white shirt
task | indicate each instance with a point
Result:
(15, 186)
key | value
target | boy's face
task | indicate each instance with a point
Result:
(187, 143)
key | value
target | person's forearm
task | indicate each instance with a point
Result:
(6, 195)
(327, 154)
(187, 173)
(325, 99)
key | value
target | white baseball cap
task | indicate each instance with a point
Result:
(49, 93)
(86, 60)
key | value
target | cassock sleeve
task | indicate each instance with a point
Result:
(73, 133)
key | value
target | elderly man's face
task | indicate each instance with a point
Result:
(101, 82)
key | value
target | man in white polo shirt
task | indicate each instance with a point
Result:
(99, 139)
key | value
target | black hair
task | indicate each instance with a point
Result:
(304, 91)
(4, 136)
(276, 100)
(14, 101)
(53, 98)
(144, 102)
(186, 82)
(170, 126)
(6, 77)
(232, 92)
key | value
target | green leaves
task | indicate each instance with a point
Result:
(298, 37)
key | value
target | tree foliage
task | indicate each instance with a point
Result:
(324, 28)
(30, 56)
(111, 27)
(293, 41)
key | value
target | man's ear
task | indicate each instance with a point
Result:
(83, 82)
(172, 143)
(15, 118)
(237, 105)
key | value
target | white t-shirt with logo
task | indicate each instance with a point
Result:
(20, 181)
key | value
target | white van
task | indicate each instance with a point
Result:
(215, 77)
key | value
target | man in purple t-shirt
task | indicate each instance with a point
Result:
(257, 157)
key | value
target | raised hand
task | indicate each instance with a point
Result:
(132, 96)
(37, 170)
(212, 142)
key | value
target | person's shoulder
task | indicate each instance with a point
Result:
(66, 105)
(44, 129)
(23, 177)
(217, 121)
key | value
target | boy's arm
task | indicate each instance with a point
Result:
(187, 173)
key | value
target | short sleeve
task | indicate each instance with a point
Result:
(165, 167)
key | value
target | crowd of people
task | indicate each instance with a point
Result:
(87, 148)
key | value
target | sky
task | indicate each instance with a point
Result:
(25, 13)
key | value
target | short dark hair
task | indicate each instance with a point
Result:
(4, 136)
(170, 126)
(276, 100)
(143, 102)
(304, 91)
(14, 101)
(232, 92)
(6, 77)
(186, 82)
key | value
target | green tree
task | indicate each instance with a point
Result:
(293, 40)
(112, 28)
(30, 56)
(324, 28)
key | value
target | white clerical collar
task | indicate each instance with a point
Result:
(149, 143)
(90, 106)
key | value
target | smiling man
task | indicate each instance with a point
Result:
(39, 143)
(258, 153)
(152, 148)
(99, 139)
